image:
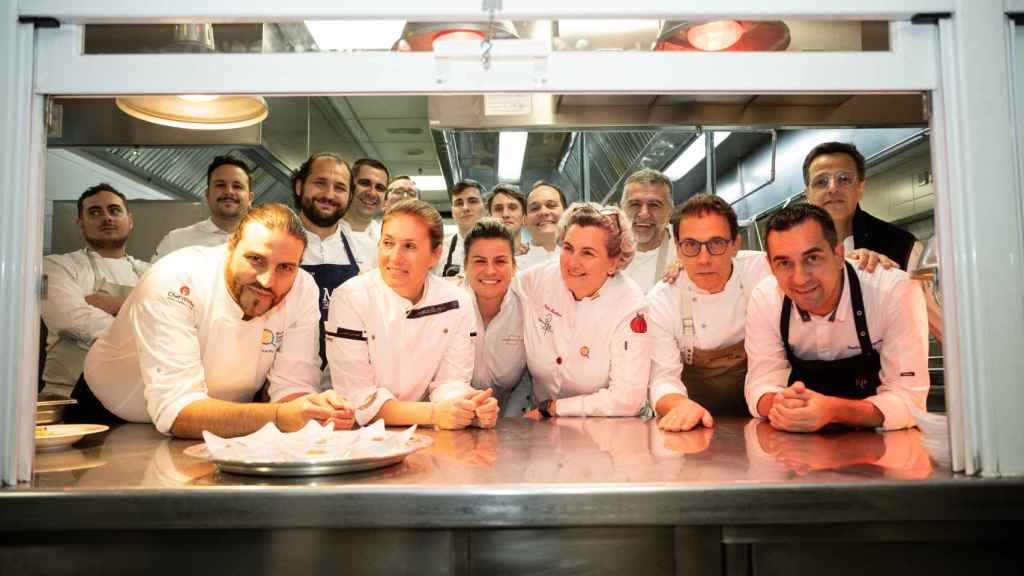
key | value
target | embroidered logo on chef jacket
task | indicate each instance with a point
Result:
(512, 339)
(432, 310)
(270, 340)
(545, 324)
(585, 352)
(638, 324)
(348, 334)
(181, 297)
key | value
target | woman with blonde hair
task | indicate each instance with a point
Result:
(400, 340)
(587, 346)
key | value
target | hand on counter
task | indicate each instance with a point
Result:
(324, 407)
(486, 412)
(461, 412)
(798, 409)
(684, 415)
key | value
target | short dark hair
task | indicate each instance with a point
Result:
(834, 148)
(464, 184)
(229, 160)
(489, 228)
(274, 216)
(796, 214)
(299, 176)
(372, 163)
(701, 204)
(94, 190)
(539, 183)
(508, 190)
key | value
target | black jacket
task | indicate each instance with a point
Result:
(880, 236)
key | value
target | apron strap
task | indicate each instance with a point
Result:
(451, 252)
(859, 317)
(97, 280)
(787, 310)
(348, 249)
(689, 333)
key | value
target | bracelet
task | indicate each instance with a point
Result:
(276, 410)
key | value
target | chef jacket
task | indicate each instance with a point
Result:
(592, 355)
(204, 233)
(70, 278)
(719, 319)
(383, 347)
(500, 352)
(536, 255)
(364, 245)
(897, 323)
(180, 337)
(646, 268)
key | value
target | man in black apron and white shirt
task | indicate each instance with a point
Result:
(467, 208)
(321, 193)
(830, 344)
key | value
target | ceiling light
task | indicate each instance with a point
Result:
(355, 34)
(511, 151)
(692, 156)
(427, 183)
(215, 113)
(724, 36)
(420, 36)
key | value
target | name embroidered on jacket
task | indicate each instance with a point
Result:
(432, 310)
(349, 334)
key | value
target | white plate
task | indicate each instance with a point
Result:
(312, 468)
(61, 436)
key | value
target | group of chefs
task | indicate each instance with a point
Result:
(356, 306)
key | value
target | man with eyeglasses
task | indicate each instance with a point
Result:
(368, 186)
(698, 363)
(834, 178)
(828, 343)
(467, 208)
(647, 200)
(401, 188)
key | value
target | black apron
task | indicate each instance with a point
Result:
(328, 277)
(451, 269)
(854, 378)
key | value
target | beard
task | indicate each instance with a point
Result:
(253, 305)
(310, 210)
(106, 242)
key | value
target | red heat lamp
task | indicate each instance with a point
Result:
(420, 36)
(723, 36)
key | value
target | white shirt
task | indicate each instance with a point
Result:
(646, 268)
(500, 352)
(330, 250)
(897, 323)
(67, 315)
(376, 352)
(180, 337)
(592, 355)
(364, 245)
(204, 233)
(536, 255)
(719, 319)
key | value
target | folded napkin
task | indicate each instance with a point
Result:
(313, 443)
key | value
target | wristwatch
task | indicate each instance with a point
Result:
(545, 408)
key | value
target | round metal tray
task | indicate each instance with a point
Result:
(50, 410)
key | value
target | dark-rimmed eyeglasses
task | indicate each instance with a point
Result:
(716, 246)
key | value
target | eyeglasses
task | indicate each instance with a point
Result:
(716, 246)
(403, 192)
(841, 179)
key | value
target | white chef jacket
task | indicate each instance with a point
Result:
(500, 352)
(364, 245)
(180, 337)
(536, 255)
(67, 315)
(592, 355)
(376, 352)
(204, 233)
(646, 268)
(458, 256)
(897, 322)
(719, 319)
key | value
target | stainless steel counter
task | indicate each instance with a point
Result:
(563, 475)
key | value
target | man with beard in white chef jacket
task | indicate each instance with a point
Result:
(229, 197)
(86, 288)
(203, 332)
(830, 344)
(647, 200)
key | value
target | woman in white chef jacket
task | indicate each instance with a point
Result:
(399, 340)
(587, 345)
(500, 359)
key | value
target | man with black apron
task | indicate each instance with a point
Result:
(830, 344)
(698, 364)
(467, 208)
(321, 192)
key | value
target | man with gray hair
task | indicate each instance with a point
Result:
(647, 200)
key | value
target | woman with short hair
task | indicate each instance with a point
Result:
(587, 346)
(400, 340)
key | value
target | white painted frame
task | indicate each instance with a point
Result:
(981, 375)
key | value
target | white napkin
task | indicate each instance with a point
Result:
(313, 443)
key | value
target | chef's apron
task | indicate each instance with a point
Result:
(713, 378)
(856, 377)
(69, 350)
(328, 277)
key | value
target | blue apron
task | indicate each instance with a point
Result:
(328, 277)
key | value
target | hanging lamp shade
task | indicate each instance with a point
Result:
(195, 111)
(420, 36)
(723, 36)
